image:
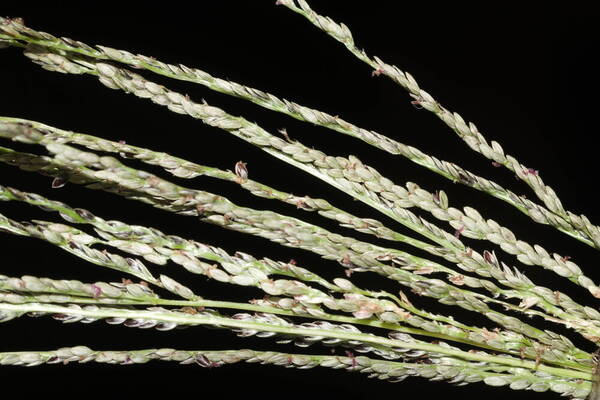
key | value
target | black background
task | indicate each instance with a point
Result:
(526, 78)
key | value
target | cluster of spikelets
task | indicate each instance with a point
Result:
(411, 341)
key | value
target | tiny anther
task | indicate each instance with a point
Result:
(144, 284)
(97, 291)
(385, 257)
(457, 279)
(58, 182)
(347, 262)
(496, 164)
(203, 361)
(377, 72)
(531, 171)
(466, 179)
(300, 203)
(351, 356)
(459, 231)
(284, 133)
(490, 257)
(189, 310)
(565, 258)
(18, 20)
(241, 171)
(417, 103)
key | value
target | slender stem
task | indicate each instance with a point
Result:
(373, 322)
(155, 240)
(429, 287)
(34, 132)
(185, 319)
(576, 226)
(254, 134)
(19, 35)
(447, 369)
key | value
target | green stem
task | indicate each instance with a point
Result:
(84, 175)
(181, 318)
(373, 322)
(448, 369)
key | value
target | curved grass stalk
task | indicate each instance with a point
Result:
(158, 247)
(257, 273)
(276, 326)
(349, 175)
(248, 271)
(472, 224)
(10, 293)
(27, 131)
(263, 325)
(100, 298)
(466, 299)
(79, 243)
(534, 359)
(125, 290)
(18, 35)
(448, 369)
(576, 226)
(304, 158)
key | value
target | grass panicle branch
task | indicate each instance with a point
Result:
(19, 35)
(294, 303)
(577, 226)
(307, 301)
(446, 369)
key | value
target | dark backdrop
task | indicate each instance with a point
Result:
(526, 78)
